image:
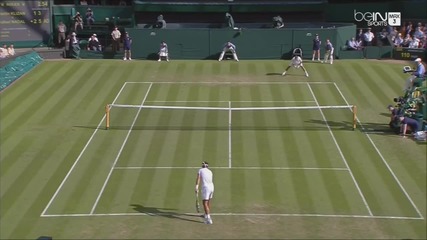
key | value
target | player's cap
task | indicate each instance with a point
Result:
(94, 35)
(73, 34)
(418, 60)
(389, 106)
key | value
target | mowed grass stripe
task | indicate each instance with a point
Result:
(21, 118)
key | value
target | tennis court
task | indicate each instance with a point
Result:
(286, 160)
(252, 144)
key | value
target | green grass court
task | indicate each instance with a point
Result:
(278, 173)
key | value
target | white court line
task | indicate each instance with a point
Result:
(236, 168)
(229, 101)
(341, 153)
(232, 214)
(229, 134)
(79, 157)
(119, 153)
(233, 83)
(383, 159)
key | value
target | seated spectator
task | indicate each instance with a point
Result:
(3, 51)
(229, 47)
(160, 23)
(94, 44)
(74, 46)
(419, 34)
(398, 41)
(360, 38)
(163, 51)
(368, 37)
(278, 22)
(122, 3)
(414, 43)
(78, 22)
(392, 33)
(11, 50)
(406, 40)
(93, 36)
(90, 19)
(353, 44)
(83, 2)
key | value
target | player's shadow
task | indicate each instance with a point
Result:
(164, 212)
(273, 74)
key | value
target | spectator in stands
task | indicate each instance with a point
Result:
(83, 2)
(368, 37)
(78, 22)
(160, 23)
(393, 33)
(90, 18)
(11, 50)
(74, 46)
(163, 51)
(419, 34)
(383, 37)
(414, 43)
(360, 38)
(115, 34)
(229, 47)
(408, 124)
(398, 41)
(122, 3)
(407, 40)
(408, 28)
(3, 52)
(278, 22)
(94, 44)
(62, 29)
(329, 54)
(229, 20)
(127, 46)
(316, 47)
(353, 44)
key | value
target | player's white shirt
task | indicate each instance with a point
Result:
(206, 179)
(296, 62)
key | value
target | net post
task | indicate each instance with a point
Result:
(107, 116)
(354, 109)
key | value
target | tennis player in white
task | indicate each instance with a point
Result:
(296, 62)
(205, 176)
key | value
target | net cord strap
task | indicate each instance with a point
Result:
(229, 108)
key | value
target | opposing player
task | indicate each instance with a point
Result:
(296, 62)
(205, 177)
(164, 51)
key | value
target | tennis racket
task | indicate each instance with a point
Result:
(197, 203)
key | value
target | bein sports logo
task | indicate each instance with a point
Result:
(378, 19)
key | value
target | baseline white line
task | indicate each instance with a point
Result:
(383, 159)
(341, 153)
(119, 153)
(235, 168)
(229, 134)
(233, 214)
(79, 157)
(229, 101)
(233, 83)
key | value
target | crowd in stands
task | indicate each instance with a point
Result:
(409, 35)
(7, 51)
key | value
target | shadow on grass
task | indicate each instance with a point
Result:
(273, 74)
(165, 212)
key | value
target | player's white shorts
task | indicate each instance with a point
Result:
(207, 193)
(163, 53)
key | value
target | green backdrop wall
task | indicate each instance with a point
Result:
(251, 43)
